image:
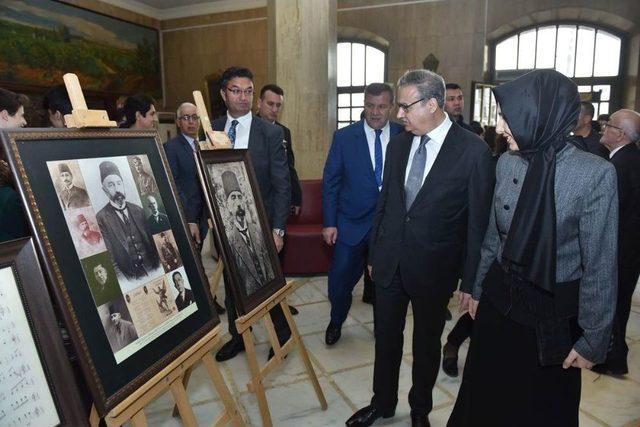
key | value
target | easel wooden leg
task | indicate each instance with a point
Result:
(303, 354)
(139, 420)
(185, 382)
(256, 381)
(231, 410)
(182, 401)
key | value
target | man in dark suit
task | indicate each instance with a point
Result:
(620, 136)
(270, 104)
(264, 142)
(185, 296)
(589, 137)
(71, 196)
(157, 220)
(352, 180)
(427, 231)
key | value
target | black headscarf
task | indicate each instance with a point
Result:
(541, 109)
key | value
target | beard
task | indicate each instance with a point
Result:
(118, 198)
(240, 213)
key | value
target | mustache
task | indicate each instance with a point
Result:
(118, 197)
(240, 211)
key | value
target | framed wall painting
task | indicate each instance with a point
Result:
(36, 379)
(115, 246)
(242, 229)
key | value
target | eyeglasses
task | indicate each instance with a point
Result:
(236, 92)
(406, 107)
(607, 125)
(189, 118)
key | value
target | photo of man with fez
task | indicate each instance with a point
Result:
(89, 236)
(168, 253)
(145, 182)
(120, 332)
(71, 196)
(157, 220)
(124, 228)
(185, 296)
(244, 238)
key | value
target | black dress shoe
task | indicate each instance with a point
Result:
(419, 421)
(448, 316)
(230, 349)
(333, 333)
(219, 309)
(450, 362)
(366, 416)
(293, 310)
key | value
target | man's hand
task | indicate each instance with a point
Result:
(194, 230)
(279, 241)
(576, 361)
(330, 235)
(473, 308)
(463, 300)
(295, 210)
(370, 268)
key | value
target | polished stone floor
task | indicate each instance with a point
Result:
(345, 373)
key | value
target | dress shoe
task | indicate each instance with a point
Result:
(333, 333)
(448, 316)
(230, 349)
(450, 360)
(293, 310)
(219, 309)
(366, 416)
(419, 421)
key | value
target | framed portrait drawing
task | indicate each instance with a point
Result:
(36, 379)
(242, 230)
(116, 249)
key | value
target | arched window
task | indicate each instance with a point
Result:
(588, 55)
(359, 64)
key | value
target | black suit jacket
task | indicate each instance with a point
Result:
(296, 191)
(627, 164)
(438, 240)
(270, 165)
(181, 303)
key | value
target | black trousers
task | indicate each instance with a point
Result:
(461, 331)
(429, 314)
(627, 280)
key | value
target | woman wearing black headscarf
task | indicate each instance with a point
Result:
(547, 275)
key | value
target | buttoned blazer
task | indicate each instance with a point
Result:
(183, 168)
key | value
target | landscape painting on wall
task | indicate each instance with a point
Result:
(41, 40)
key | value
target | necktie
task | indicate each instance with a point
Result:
(232, 132)
(414, 181)
(378, 158)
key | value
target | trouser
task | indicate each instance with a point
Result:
(461, 331)
(429, 312)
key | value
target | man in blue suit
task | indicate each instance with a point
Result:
(351, 184)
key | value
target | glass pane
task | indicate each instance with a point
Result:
(584, 89)
(357, 64)
(344, 64)
(343, 124)
(545, 52)
(375, 65)
(606, 92)
(604, 108)
(493, 111)
(506, 52)
(477, 100)
(355, 113)
(595, 109)
(526, 50)
(344, 100)
(344, 114)
(607, 54)
(584, 52)
(357, 100)
(486, 100)
(565, 55)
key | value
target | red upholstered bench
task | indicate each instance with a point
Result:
(304, 251)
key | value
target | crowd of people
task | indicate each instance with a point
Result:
(535, 222)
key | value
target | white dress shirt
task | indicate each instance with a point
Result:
(370, 133)
(242, 129)
(433, 146)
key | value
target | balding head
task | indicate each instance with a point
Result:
(623, 127)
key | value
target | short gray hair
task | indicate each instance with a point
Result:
(184, 104)
(429, 84)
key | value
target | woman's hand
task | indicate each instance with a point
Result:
(473, 307)
(576, 361)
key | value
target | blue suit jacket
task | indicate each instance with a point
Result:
(183, 167)
(349, 189)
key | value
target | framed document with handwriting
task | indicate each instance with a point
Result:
(37, 387)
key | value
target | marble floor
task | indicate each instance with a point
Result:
(345, 373)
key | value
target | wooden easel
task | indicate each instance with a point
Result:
(244, 324)
(131, 409)
(171, 378)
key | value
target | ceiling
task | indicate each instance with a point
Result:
(170, 9)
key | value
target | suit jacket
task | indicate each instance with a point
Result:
(438, 240)
(250, 279)
(182, 303)
(349, 189)
(156, 225)
(627, 164)
(12, 220)
(115, 238)
(183, 168)
(270, 166)
(296, 191)
(76, 197)
(586, 236)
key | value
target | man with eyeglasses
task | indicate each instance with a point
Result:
(589, 139)
(427, 231)
(179, 151)
(264, 142)
(620, 136)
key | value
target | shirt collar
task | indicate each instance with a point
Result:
(369, 129)
(615, 150)
(242, 120)
(440, 132)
